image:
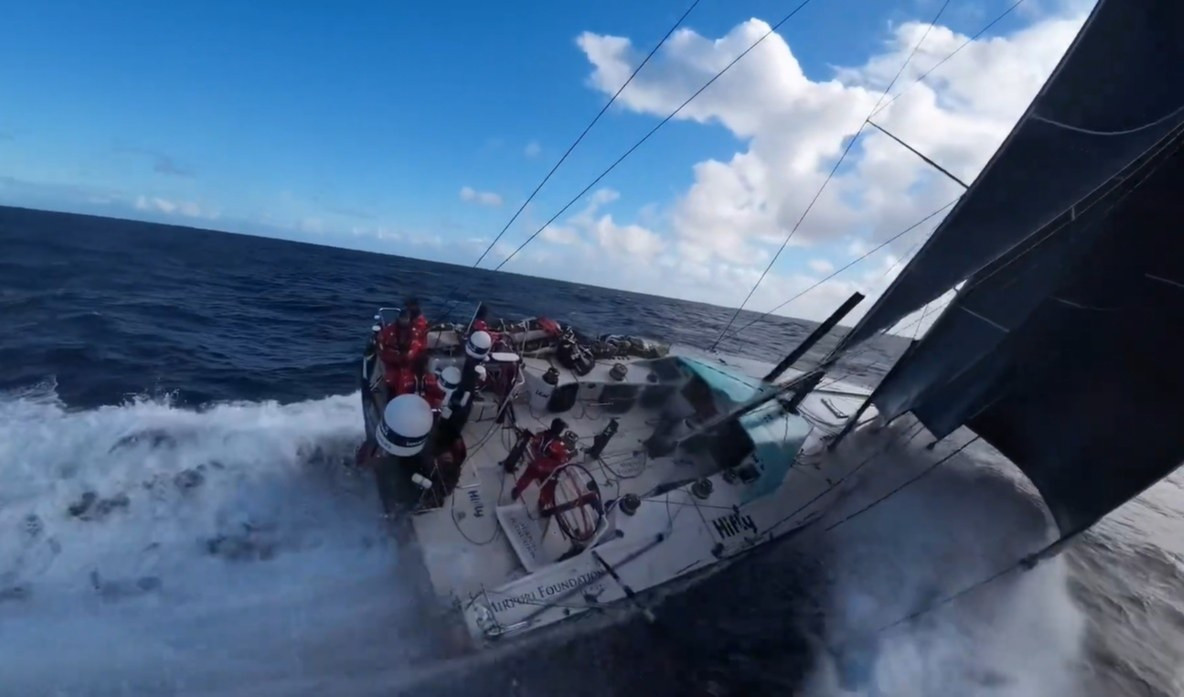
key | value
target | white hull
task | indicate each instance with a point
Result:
(497, 562)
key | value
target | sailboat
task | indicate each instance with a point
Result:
(560, 476)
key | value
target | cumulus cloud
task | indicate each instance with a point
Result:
(591, 230)
(188, 209)
(722, 230)
(532, 149)
(484, 198)
(821, 266)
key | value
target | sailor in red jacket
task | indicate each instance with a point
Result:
(480, 325)
(417, 379)
(419, 323)
(547, 452)
(399, 348)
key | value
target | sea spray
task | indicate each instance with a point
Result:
(1020, 636)
(161, 548)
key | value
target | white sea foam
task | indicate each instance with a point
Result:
(1018, 637)
(273, 566)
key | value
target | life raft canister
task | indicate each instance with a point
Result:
(478, 345)
(405, 425)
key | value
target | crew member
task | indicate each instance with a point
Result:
(399, 348)
(481, 325)
(419, 380)
(400, 464)
(547, 452)
(419, 323)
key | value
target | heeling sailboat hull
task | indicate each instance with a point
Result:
(475, 546)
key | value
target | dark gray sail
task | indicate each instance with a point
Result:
(1115, 94)
(1062, 347)
(1064, 355)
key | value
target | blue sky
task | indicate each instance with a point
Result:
(359, 123)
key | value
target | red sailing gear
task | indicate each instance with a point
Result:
(419, 329)
(547, 453)
(426, 386)
(397, 352)
(480, 325)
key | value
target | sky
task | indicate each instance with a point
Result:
(419, 128)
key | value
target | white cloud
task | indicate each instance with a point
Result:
(560, 234)
(187, 209)
(821, 266)
(533, 149)
(485, 198)
(633, 242)
(723, 229)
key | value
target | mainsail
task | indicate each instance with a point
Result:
(1114, 96)
(1060, 348)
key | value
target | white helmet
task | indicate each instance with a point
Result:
(405, 425)
(479, 345)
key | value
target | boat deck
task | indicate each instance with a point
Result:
(482, 540)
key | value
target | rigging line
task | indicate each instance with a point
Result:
(818, 194)
(941, 10)
(919, 154)
(730, 509)
(924, 314)
(785, 242)
(891, 441)
(897, 490)
(1024, 563)
(867, 345)
(449, 302)
(870, 252)
(953, 53)
(653, 130)
(587, 128)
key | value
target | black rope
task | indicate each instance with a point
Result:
(448, 301)
(897, 490)
(829, 176)
(652, 131)
(941, 62)
(848, 475)
(1015, 566)
(1024, 563)
(875, 113)
(587, 128)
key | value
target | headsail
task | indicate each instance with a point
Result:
(1114, 96)
(1060, 349)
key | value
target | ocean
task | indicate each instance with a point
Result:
(164, 389)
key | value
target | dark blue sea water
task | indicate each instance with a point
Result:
(201, 382)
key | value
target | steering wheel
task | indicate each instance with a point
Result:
(575, 503)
